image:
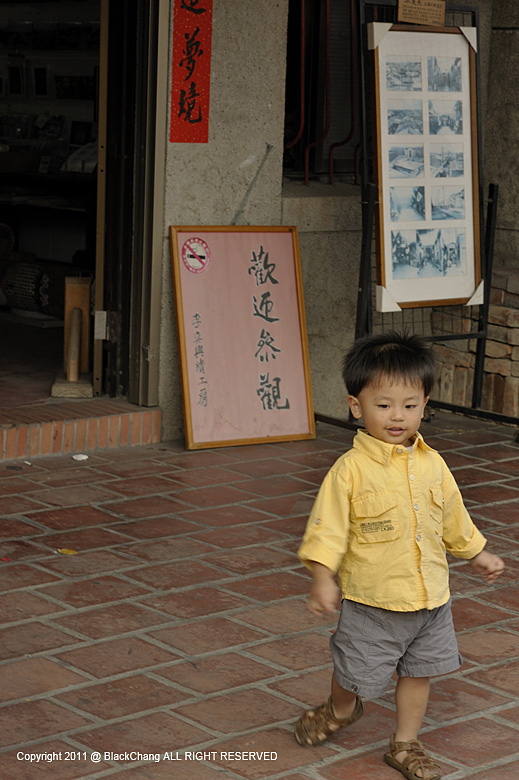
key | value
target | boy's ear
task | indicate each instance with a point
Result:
(354, 405)
(425, 404)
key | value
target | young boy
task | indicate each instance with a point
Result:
(387, 513)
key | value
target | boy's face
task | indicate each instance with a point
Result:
(391, 409)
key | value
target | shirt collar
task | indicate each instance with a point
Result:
(382, 451)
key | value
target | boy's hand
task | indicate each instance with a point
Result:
(488, 565)
(324, 594)
(324, 597)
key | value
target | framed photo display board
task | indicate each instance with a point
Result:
(242, 335)
(428, 227)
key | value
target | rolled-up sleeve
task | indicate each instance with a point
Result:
(461, 537)
(326, 536)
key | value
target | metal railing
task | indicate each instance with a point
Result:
(326, 113)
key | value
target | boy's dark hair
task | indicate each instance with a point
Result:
(395, 355)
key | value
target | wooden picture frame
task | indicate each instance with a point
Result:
(426, 165)
(242, 335)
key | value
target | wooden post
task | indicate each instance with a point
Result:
(75, 381)
(74, 345)
(77, 295)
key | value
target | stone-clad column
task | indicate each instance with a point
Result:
(502, 128)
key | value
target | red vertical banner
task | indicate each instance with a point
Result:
(190, 83)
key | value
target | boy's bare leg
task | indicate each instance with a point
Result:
(343, 701)
(412, 696)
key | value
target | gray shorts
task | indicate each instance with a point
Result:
(371, 643)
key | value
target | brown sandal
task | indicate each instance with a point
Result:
(415, 760)
(313, 728)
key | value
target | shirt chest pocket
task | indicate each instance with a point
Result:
(376, 518)
(437, 505)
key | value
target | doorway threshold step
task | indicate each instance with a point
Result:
(76, 426)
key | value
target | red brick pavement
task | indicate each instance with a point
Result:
(180, 626)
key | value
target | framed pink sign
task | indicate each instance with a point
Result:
(242, 335)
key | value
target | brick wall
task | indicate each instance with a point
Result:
(501, 368)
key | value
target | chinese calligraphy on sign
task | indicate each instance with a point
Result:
(270, 393)
(242, 334)
(263, 306)
(190, 83)
(199, 356)
(263, 273)
(261, 268)
(266, 348)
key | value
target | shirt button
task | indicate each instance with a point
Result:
(416, 507)
(418, 538)
(399, 450)
(411, 476)
(318, 522)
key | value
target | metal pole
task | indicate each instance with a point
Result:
(363, 324)
(100, 320)
(493, 192)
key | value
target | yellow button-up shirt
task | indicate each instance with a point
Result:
(384, 519)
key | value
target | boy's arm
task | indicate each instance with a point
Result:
(466, 541)
(461, 536)
(326, 536)
(324, 593)
(325, 542)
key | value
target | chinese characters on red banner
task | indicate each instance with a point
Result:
(190, 83)
(262, 271)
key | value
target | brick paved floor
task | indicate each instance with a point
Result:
(180, 624)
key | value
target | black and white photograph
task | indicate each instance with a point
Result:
(445, 117)
(407, 204)
(429, 253)
(404, 74)
(405, 254)
(447, 203)
(446, 160)
(444, 74)
(404, 117)
(406, 162)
